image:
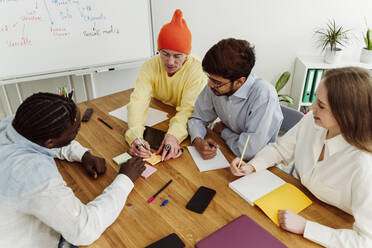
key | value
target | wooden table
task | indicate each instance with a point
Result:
(140, 223)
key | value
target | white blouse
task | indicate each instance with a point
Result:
(342, 179)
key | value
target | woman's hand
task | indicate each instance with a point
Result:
(244, 169)
(292, 222)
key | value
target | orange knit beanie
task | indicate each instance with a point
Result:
(175, 35)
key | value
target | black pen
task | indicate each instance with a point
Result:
(160, 190)
(99, 118)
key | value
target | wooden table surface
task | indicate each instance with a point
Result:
(140, 223)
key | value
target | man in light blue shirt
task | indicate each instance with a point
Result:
(246, 104)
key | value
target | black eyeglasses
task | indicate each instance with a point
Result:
(217, 84)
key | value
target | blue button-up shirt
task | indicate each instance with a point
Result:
(252, 110)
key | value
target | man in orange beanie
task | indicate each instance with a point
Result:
(174, 77)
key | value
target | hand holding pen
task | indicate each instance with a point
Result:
(207, 148)
(243, 169)
(139, 147)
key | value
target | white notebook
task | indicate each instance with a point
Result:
(154, 116)
(253, 186)
(218, 162)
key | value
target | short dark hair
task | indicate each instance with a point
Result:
(43, 116)
(230, 58)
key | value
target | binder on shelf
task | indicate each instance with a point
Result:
(317, 78)
(308, 84)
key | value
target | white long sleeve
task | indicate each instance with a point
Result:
(56, 206)
(73, 152)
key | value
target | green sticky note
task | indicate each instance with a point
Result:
(122, 158)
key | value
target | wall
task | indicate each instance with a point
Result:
(280, 31)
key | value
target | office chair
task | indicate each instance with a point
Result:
(290, 119)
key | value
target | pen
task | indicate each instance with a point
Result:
(164, 203)
(138, 138)
(245, 147)
(160, 190)
(99, 118)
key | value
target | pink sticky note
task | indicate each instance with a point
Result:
(148, 171)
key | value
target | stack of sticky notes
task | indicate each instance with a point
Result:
(153, 160)
(122, 158)
(270, 193)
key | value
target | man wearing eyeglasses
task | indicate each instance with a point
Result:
(246, 104)
(174, 77)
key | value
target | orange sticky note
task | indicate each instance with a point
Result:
(153, 160)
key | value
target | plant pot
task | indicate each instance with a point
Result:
(366, 56)
(332, 57)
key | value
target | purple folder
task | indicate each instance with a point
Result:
(242, 232)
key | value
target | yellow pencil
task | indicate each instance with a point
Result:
(245, 147)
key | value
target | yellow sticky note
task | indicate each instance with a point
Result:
(286, 196)
(153, 160)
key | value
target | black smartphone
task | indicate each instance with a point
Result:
(153, 136)
(201, 199)
(87, 115)
(170, 241)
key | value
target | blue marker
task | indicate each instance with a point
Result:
(164, 203)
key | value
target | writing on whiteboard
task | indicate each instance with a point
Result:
(53, 17)
(101, 31)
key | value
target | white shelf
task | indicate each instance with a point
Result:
(303, 64)
(317, 62)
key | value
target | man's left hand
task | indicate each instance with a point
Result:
(219, 127)
(174, 148)
(95, 166)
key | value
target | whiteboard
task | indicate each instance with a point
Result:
(46, 36)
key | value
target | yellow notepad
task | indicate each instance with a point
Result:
(286, 196)
(153, 160)
(270, 193)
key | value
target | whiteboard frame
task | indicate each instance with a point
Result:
(80, 71)
(94, 69)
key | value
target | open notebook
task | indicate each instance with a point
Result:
(242, 232)
(270, 193)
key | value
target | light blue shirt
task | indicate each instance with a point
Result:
(24, 165)
(252, 110)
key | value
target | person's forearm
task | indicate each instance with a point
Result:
(72, 152)
(78, 223)
(196, 129)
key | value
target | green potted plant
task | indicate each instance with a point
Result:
(330, 38)
(366, 55)
(282, 81)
